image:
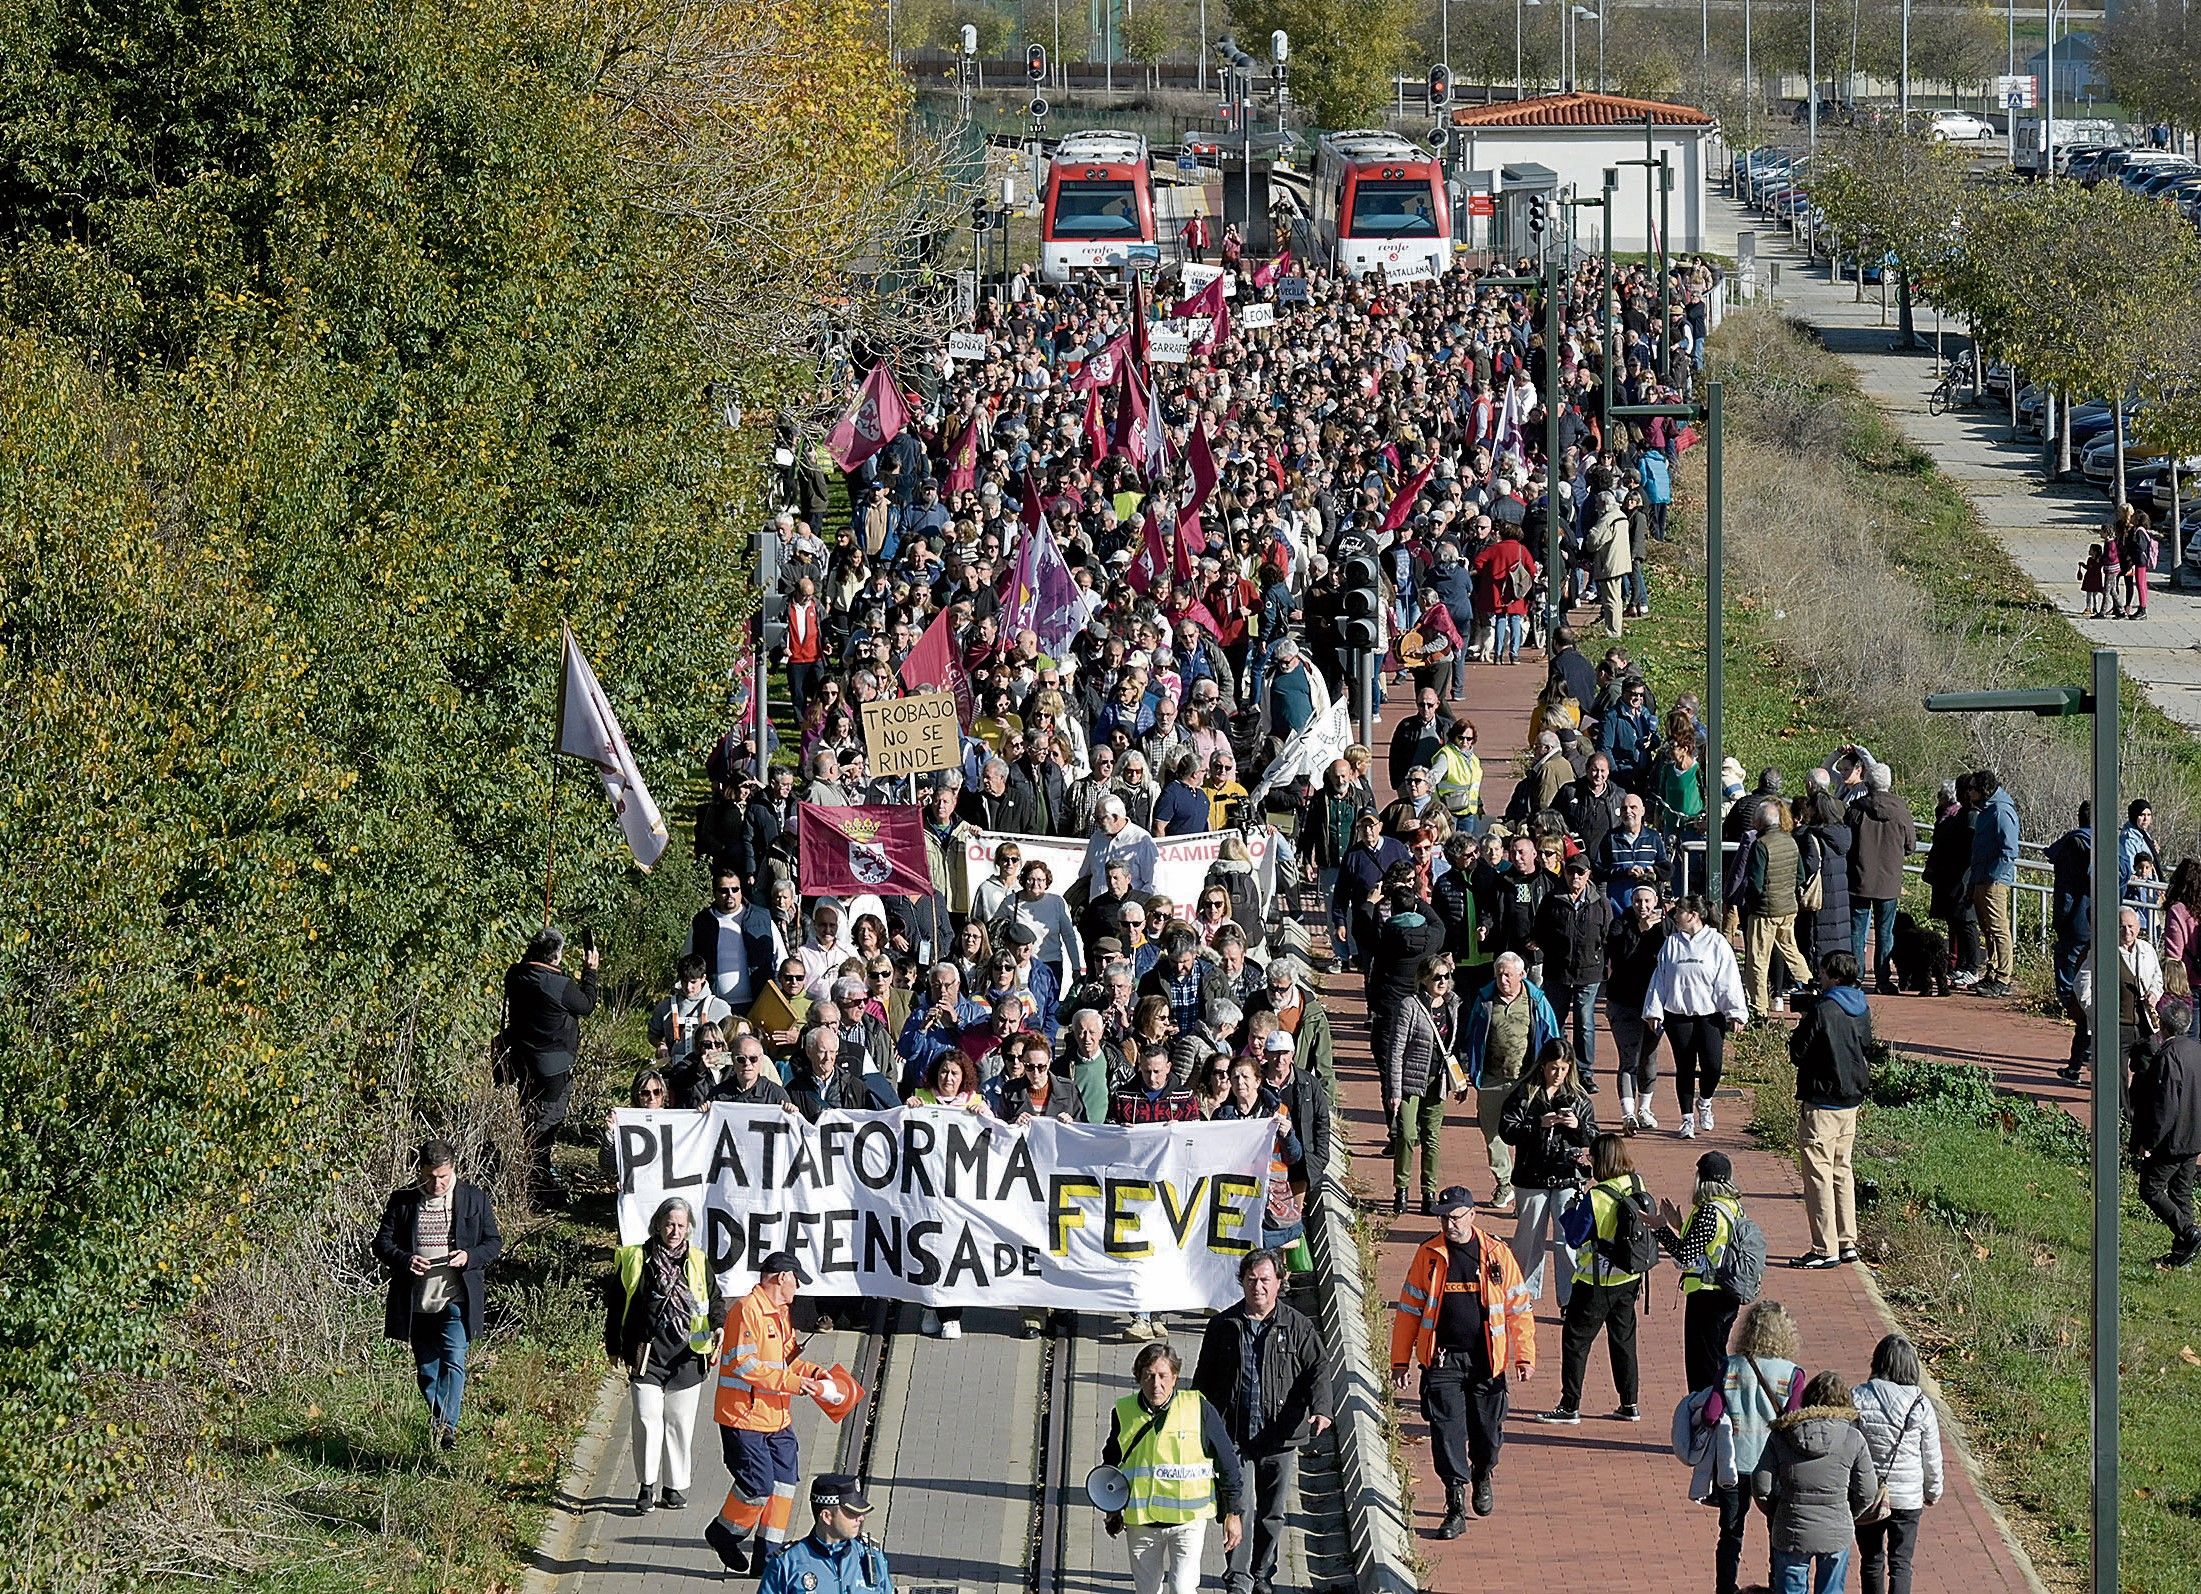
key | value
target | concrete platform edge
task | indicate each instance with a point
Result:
(568, 1534)
(1374, 1499)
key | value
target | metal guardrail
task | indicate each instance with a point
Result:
(2034, 891)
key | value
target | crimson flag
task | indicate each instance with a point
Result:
(1099, 368)
(1201, 459)
(1096, 435)
(963, 464)
(1033, 514)
(877, 847)
(1267, 275)
(1152, 561)
(1403, 505)
(933, 666)
(873, 419)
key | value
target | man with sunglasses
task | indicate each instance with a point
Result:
(737, 943)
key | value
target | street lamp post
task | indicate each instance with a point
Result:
(1811, 88)
(2100, 701)
(1903, 76)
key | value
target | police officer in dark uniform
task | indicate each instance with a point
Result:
(834, 1557)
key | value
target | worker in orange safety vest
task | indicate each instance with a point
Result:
(759, 1375)
(1465, 1313)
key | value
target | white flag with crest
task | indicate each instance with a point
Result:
(587, 728)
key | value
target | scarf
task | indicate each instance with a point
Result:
(676, 1307)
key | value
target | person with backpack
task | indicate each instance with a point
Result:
(1903, 1436)
(1761, 1380)
(1721, 1253)
(1833, 1070)
(1613, 1232)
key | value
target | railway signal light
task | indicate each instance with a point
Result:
(1035, 63)
(1359, 629)
(1039, 105)
(1440, 86)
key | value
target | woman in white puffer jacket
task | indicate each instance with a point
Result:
(1903, 1434)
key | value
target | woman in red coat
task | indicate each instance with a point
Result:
(1504, 573)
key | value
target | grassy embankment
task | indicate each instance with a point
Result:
(1859, 579)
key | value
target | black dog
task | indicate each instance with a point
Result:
(1921, 957)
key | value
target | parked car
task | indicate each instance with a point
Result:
(2154, 183)
(1958, 126)
(1997, 380)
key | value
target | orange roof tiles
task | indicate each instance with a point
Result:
(1581, 109)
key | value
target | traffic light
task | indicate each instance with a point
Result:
(1536, 216)
(1035, 63)
(979, 219)
(1440, 86)
(1362, 596)
(1038, 107)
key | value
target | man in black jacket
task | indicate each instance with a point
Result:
(1571, 926)
(438, 1236)
(1262, 1369)
(543, 1010)
(1833, 1071)
(2166, 1128)
(1590, 805)
(1418, 740)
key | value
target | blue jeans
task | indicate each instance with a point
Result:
(1507, 636)
(1581, 1001)
(1810, 1574)
(439, 1360)
(1878, 916)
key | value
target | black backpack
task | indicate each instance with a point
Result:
(1634, 1245)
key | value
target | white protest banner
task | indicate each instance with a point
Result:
(1255, 316)
(1196, 276)
(1310, 751)
(967, 346)
(1180, 867)
(1168, 348)
(946, 1208)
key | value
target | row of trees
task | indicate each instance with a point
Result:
(2096, 292)
(345, 352)
(1346, 53)
(2151, 54)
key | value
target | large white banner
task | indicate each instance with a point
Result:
(1180, 867)
(946, 1208)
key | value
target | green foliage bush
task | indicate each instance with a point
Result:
(334, 373)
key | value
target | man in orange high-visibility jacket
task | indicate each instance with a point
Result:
(1465, 1312)
(759, 1377)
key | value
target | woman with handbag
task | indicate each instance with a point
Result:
(1903, 1433)
(1819, 1479)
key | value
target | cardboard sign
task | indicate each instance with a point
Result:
(1292, 290)
(1196, 276)
(967, 346)
(1168, 348)
(1255, 316)
(912, 735)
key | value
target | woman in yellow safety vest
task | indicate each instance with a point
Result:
(1699, 1244)
(1607, 1281)
(662, 1327)
(1458, 775)
(1174, 1451)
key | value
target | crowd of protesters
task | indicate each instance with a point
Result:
(1205, 544)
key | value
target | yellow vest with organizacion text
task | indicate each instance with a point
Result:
(1171, 1475)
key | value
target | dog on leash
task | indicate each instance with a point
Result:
(1921, 957)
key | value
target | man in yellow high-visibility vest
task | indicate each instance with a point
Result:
(1174, 1451)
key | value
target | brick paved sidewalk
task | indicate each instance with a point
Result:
(1578, 1505)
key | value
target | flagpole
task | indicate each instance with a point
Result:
(550, 838)
(550, 802)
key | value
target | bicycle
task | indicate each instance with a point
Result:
(1957, 378)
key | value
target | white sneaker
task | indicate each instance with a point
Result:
(1689, 1127)
(929, 1324)
(1141, 1328)
(1644, 1117)
(951, 1329)
(1964, 977)
(1704, 1114)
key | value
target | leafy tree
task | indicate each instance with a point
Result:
(1344, 52)
(344, 354)
(2150, 51)
(1891, 190)
(1151, 32)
